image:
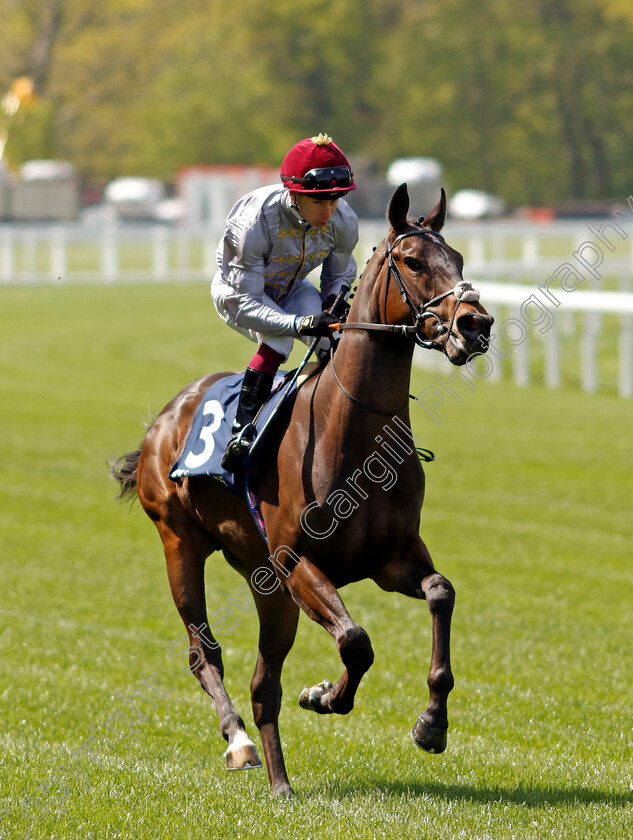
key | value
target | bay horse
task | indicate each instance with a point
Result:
(327, 520)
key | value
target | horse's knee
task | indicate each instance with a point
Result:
(439, 593)
(264, 686)
(204, 651)
(356, 650)
(266, 694)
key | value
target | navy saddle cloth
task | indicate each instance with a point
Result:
(211, 430)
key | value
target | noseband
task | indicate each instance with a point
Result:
(463, 291)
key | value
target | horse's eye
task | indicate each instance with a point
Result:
(412, 263)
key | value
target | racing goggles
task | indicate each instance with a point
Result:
(325, 179)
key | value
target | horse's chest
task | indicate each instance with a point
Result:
(351, 529)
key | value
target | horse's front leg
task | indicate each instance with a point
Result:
(319, 599)
(429, 731)
(413, 573)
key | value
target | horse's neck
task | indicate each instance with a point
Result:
(374, 367)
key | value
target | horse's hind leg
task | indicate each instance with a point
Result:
(186, 557)
(319, 599)
(278, 617)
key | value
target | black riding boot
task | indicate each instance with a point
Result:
(255, 388)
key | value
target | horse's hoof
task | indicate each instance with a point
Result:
(283, 791)
(241, 754)
(315, 698)
(430, 738)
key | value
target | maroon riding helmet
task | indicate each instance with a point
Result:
(316, 166)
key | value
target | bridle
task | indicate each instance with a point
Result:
(463, 291)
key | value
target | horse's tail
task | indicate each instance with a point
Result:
(124, 471)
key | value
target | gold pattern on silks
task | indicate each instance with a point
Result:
(288, 258)
(292, 259)
(297, 233)
(288, 233)
(277, 284)
(278, 280)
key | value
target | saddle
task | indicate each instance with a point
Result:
(211, 430)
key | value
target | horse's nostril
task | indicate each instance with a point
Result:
(474, 325)
(470, 324)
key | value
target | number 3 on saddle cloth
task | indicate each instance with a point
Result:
(211, 430)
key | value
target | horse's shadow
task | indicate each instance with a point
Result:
(528, 796)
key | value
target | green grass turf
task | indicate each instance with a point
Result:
(528, 512)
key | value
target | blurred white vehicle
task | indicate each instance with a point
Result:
(135, 197)
(470, 205)
(423, 177)
(45, 190)
(414, 170)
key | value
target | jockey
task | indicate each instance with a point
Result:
(275, 236)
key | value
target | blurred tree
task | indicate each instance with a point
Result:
(33, 39)
(524, 100)
(583, 46)
(246, 80)
(532, 101)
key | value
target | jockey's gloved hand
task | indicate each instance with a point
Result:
(341, 309)
(316, 324)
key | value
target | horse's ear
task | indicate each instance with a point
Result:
(398, 207)
(436, 218)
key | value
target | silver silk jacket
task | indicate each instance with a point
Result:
(267, 249)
